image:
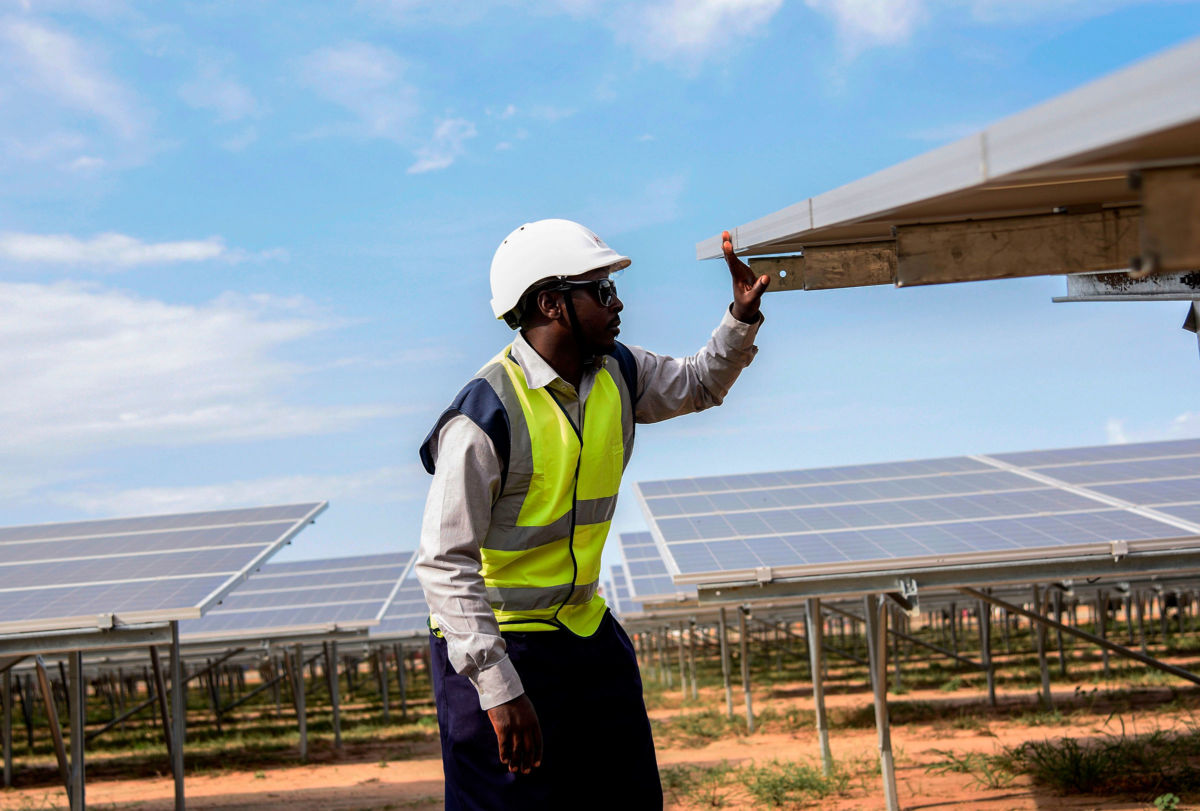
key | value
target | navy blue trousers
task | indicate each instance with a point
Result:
(598, 751)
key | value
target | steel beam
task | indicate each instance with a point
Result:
(876, 632)
(178, 725)
(1121, 286)
(744, 644)
(60, 750)
(77, 708)
(723, 630)
(6, 731)
(85, 641)
(951, 576)
(1081, 634)
(331, 674)
(816, 664)
(1170, 228)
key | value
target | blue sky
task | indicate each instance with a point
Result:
(244, 246)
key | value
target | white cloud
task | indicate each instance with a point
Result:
(1183, 426)
(862, 23)
(691, 30)
(86, 163)
(449, 142)
(240, 140)
(59, 67)
(89, 368)
(368, 81)
(113, 250)
(383, 485)
(216, 90)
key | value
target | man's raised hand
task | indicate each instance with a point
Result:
(747, 289)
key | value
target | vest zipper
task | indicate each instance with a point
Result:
(574, 502)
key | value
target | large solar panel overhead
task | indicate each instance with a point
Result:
(406, 613)
(344, 594)
(648, 580)
(891, 516)
(130, 570)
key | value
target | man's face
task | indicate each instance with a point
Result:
(598, 324)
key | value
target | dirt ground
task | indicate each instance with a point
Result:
(369, 778)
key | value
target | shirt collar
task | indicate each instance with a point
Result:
(538, 373)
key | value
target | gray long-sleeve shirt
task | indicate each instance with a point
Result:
(466, 483)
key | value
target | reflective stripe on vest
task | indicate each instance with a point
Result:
(541, 556)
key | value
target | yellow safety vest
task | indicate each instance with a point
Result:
(541, 555)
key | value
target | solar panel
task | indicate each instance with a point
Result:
(143, 569)
(645, 573)
(406, 614)
(931, 512)
(626, 605)
(1123, 471)
(348, 593)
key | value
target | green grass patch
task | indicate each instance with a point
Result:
(791, 784)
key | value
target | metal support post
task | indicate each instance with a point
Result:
(6, 698)
(682, 664)
(954, 628)
(331, 671)
(298, 688)
(178, 716)
(876, 632)
(744, 647)
(1141, 620)
(214, 694)
(691, 649)
(816, 628)
(1058, 617)
(985, 649)
(381, 666)
(1095, 640)
(77, 707)
(276, 681)
(160, 691)
(1039, 635)
(60, 750)
(1102, 626)
(401, 675)
(25, 696)
(723, 630)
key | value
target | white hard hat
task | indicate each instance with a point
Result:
(545, 249)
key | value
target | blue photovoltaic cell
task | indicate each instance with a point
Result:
(407, 614)
(877, 514)
(124, 526)
(161, 568)
(647, 575)
(1101, 472)
(1101, 453)
(829, 475)
(1188, 512)
(890, 543)
(831, 494)
(626, 604)
(1145, 494)
(333, 591)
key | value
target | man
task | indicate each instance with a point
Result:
(538, 695)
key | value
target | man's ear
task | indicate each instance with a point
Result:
(549, 304)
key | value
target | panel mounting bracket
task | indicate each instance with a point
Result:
(763, 574)
(1119, 549)
(907, 597)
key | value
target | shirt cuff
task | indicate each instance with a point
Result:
(741, 335)
(497, 684)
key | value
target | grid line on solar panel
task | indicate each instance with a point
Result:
(816, 519)
(155, 523)
(1124, 471)
(117, 582)
(1156, 492)
(1101, 453)
(828, 475)
(884, 544)
(147, 542)
(335, 565)
(884, 490)
(117, 556)
(248, 589)
(306, 605)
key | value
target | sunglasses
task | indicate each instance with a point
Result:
(605, 290)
